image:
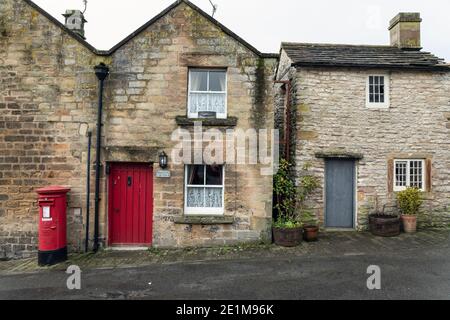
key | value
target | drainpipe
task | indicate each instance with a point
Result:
(287, 119)
(88, 191)
(101, 71)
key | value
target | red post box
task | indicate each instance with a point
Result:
(52, 225)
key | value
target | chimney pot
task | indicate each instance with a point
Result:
(75, 22)
(405, 31)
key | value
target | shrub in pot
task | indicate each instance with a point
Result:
(310, 227)
(308, 184)
(287, 229)
(409, 202)
(287, 233)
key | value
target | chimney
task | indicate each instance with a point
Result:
(405, 31)
(75, 21)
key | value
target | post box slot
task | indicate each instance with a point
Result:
(46, 203)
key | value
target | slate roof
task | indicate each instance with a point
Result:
(367, 56)
(148, 24)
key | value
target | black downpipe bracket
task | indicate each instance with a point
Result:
(101, 71)
(88, 190)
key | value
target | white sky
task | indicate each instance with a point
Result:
(265, 23)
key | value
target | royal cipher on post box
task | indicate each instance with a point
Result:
(52, 203)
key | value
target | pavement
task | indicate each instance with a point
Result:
(412, 267)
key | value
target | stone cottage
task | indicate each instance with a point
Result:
(182, 68)
(369, 121)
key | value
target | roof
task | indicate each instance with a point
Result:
(367, 56)
(148, 24)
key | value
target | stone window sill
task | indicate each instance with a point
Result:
(184, 121)
(204, 220)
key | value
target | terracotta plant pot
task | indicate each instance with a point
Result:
(285, 237)
(311, 233)
(409, 223)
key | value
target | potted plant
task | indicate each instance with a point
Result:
(287, 229)
(409, 202)
(382, 224)
(308, 184)
(310, 227)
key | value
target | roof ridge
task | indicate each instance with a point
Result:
(148, 24)
(336, 45)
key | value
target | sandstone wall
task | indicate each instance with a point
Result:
(332, 117)
(48, 102)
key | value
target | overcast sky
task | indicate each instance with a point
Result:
(265, 23)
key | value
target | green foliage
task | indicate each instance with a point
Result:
(308, 218)
(286, 223)
(308, 184)
(285, 192)
(409, 201)
(290, 198)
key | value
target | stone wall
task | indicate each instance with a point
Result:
(148, 90)
(48, 102)
(332, 117)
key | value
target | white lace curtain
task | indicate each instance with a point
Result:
(204, 197)
(203, 186)
(207, 91)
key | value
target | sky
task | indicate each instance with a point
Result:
(266, 23)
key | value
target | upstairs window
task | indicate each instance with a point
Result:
(409, 173)
(207, 93)
(377, 91)
(204, 190)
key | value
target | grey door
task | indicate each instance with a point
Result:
(340, 193)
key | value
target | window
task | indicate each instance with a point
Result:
(207, 93)
(378, 91)
(409, 173)
(204, 190)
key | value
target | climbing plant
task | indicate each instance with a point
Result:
(285, 193)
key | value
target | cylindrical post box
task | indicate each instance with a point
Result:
(52, 203)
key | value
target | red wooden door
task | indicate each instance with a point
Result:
(130, 204)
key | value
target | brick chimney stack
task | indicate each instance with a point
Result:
(405, 31)
(75, 21)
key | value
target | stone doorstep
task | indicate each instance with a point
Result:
(127, 248)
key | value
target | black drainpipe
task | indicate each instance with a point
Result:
(88, 191)
(101, 71)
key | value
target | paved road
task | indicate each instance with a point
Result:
(409, 274)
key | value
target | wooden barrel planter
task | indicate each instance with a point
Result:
(286, 237)
(384, 225)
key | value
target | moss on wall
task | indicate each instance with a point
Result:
(259, 96)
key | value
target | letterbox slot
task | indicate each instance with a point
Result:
(46, 203)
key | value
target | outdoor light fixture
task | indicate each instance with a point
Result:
(163, 160)
(101, 71)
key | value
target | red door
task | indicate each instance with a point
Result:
(130, 204)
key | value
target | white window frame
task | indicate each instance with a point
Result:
(408, 175)
(192, 115)
(378, 105)
(188, 211)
